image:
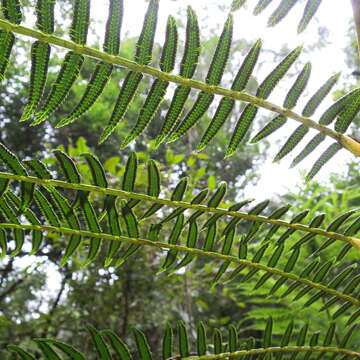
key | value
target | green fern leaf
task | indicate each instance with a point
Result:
(314, 223)
(290, 101)
(158, 89)
(72, 63)
(24, 355)
(289, 266)
(45, 15)
(80, 23)
(119, 347)
(12, 12)
(97, 83)
(67, 349)
(241, 128)
(9, 214)
(187, 69)
(226, 105)
(71, 219)
(14, 165)
(46, 209)
(229, 239)
(310, 9)
(3, 243)
(132, 230)
(237, 4)
(309, 110)
(323, 159)
(319, 95)
(69, 72)
(142, 345)
(190, 243)
(282, 10)
(93, 226)
(40, 55)
(167, 343)
(298, 87)
(47, 350)
(335, 109)
(7, 41)
(213, 77)
(173, 239)
(115, 229)
(269, 128)
(260, 6)
(113, 27)
(266, 87)
(99, 343)
(38, 168)
(218, 346)
(292, 141)
(103, 70)
(201, 339)
(183, 339)
(68, 167)
(347, 116)
(177, 195)
(308, 149)
(142, 56)
(263, 92)
(37, 235)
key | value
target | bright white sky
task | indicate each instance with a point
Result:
(335, 16)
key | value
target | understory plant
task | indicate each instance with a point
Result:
(273, 251)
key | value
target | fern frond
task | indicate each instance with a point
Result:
(323, 159)
(263, 91)
(187, 69)
(226, 105)
(213, 77)
(106, 341)
(12, 12)
(265, 259)
(142, 56)
(139, 67)
(71, 65)
(158, 89)
(103, 70)
(309, 11)
(282, 10)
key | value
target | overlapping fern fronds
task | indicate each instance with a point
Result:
(228, 344)
(40, 205)
(175, 123)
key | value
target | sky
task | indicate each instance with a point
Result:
(275, 178)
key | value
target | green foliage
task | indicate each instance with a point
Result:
(277, 261)
(173, 127)
(106, 343)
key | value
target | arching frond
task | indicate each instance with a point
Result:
(256, 248)
(223, 344)
(175, 125)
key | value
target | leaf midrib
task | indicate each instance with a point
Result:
(355, 242)
(196, 251)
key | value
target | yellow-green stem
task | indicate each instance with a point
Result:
(355, 242)
(185, 249)
(149, 70)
